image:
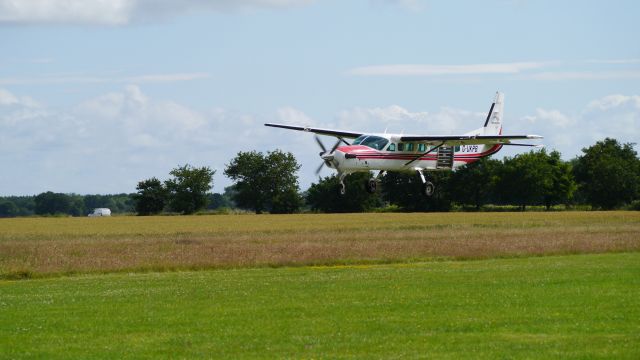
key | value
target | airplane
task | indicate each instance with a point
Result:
(411, 153)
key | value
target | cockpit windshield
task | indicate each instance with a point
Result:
(374, 142)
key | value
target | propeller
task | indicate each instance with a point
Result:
(324, 151)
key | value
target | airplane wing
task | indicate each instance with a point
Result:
(328, 132)
(469, 139)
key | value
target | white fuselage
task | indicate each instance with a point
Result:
(397, 156)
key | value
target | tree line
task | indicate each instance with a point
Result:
(50, 203)
(605, 176)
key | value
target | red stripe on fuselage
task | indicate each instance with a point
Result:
(366, 153)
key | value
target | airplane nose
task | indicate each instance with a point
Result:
(338, 157)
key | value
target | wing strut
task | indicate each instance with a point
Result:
(423, 154)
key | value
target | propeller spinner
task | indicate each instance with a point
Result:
(324, 152)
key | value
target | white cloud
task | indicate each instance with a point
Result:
(98, 79)
(614, 61)
(120, 12)
(397, 119)
(142, 121)
(581, 75)
(616, 116)
(411, 5)
(112, 12)
(7, 98)
(526, 70)
(614, 101)
(105, 144)
(108, 143)
(436, 70)
(552, 118)
(292, 116)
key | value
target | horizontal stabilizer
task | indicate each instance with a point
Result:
(531, 145)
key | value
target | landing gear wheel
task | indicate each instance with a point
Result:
(342, 189)
(428, 189)
(371, 185)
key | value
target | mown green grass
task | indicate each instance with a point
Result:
(579, 306)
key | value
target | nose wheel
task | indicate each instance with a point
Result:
(342, 188)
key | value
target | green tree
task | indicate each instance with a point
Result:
(189, 187)
(474, 183)
(8, 209)
(562, 186)
(265, 182)
(216, 201)
(405, 190)
(122, 203)
(50, 203)
(76, 205)
(151, 197)
(524, 178)
(324, 195)
(608, 173)
(24, 205)
(536, 177)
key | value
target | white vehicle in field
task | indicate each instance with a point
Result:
(100, 212)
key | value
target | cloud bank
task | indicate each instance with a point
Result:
(101, 79)
(122, 12)
(435, 70)
(616, 116)
(523, 70)
(108, 143)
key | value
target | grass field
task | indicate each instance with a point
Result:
(578, 306)
(38, 247)
(363, 285)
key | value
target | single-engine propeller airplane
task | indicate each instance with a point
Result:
(412, 153)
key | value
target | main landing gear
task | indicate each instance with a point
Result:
(371, 185)
(428, 188)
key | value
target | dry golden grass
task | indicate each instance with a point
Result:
(46, 246)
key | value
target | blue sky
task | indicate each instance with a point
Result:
(98, 95)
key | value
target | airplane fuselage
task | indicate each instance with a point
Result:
(393, 155)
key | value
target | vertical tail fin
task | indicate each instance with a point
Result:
(493, 123)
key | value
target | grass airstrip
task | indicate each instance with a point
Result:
(470, 285)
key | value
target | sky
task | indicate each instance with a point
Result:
(96, 95)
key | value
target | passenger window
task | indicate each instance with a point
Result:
(392, 147)
(401, 147)
(410, 147)
(457, 149)
(421, 147)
